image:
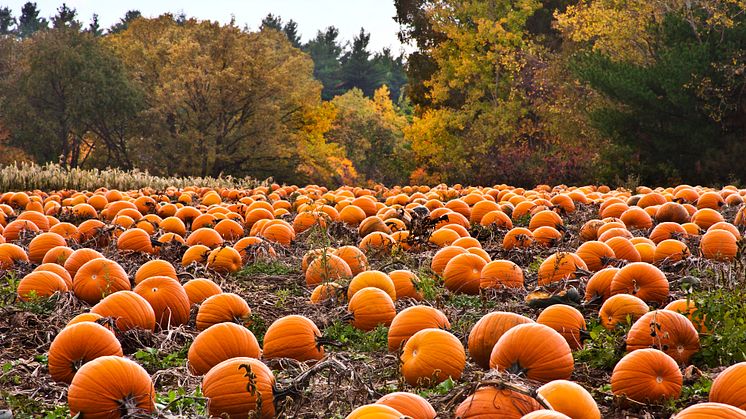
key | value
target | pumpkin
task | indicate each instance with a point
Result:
(229, 229)
(295, 337)
(376, 279)
(443, 256)
(409, 404)
(688, 308)
(279, 233)
(224, 260)
(491, 402)
(535, 351)
(621, 309)
(85, 317)
(430, 356)
(98, 278)
(225, 307)
(671, 250)
(589, 230)
(239, 387)
(706, 217)
(10, 254)
(218, 343)
(167, 297)
(501, 274)
(728, 386)
(354, 257)
(375, 411)
(135, 240)
(40, 285)
(444, 237)
(59, 270)
(595, 254)
(131, 391)
(413, 319)
(130, 310)
(57, 255)
(545, 414)
(79, 258)
(636, 217)
(497, 219)
(462, 273)
(672, 212)
(204, 236)
(642, 280)
(711, 410)
(377, 242)
(569, 398)
(518, 237)
(667, 331)
(41, 244)
(327, 291)
(647, 375)
(199, 289)
(18, 228)
(547, 236)
(559, 266)
(599, 286)
(406, 284)
(156, 267)
(666, 231)
(195, 254)
(370, 307)
(488, 330)
(567, 321)
(327, 268)
(77, 344)
(720, 245)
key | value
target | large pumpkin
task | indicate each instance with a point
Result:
(239, 387)
(647, 375)
(567, 321)
(501, 274)
(719, 245)
(295, 337)
(570, 398)
(225, 307)
(371, 307)
(218, 343)
(491, 402)
(711, 410)
(667, 331)
(413, 319)
(40, 285)
(376, 279)
(200, 289)
(167, 297)
(98, 278)
(642, 280)
(130, 310)
(621, 309)
(535, 351)
(559, 266)
(156, 267)
(488, 330)
(409, 404)
(462, 273)
(77, 344)
(728, 386)
(129, 392)
(430, 356)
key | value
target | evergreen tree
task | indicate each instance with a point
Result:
(94, 28)
(125, 21)
(326, 53)
(358, 69)
(30, 22)
(7, 21)
(291, 31)
(65, 17)
(393, 71)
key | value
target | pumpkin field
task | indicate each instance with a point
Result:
(418, 301)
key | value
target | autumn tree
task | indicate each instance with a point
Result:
(223, 100)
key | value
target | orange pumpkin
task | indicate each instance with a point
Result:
(569, 398)
(167, 297)
(535, 351)
(220, 342)
(295, 337)
(371, 307)
(430, 356)
(462, 273)
(409, 404)
(727, 386)
(487, 331)
(642, 280)
(647, 375)
(98, 278)
(413, 319)
(621, 309)
(491, 402)
(130, 310)
(225, 387)
(199, 289)
(667, 331)
(77, 344)
(567, 321)
(225, 307)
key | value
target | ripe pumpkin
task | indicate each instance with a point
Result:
(443, 256)
(570, 398)
(518, 237)
(501, 273)
(642, 280)
(487, 331)
(599, 286)
(77, 344)
(559, 266)
(375, 411)
(430, 356)
(547, 236)
(667, 331)
(376, 279)
(79, 258)
(596, 255)
(224, 260)
(720, 245)
(491, 402)
(295, 337)
(688, 308)
(204, 236)
(406, 284)
(199, 289)
(239, 387)
(10, 254)
(135, 240)
(377, 242)
(225, 307)
(624, 249)
(370, 307)
(57, 269)
(40, 285)
(195, 254)
(535, 351)
(354, 257)
(462, 273)
(545, 414)
(671, 251)
(221, 342)
(57, 255)
(409, 404)
(413, 319)
(621, 309)
(672, 212)
(41, 244)
(647, 375)
(567, 321)
(327, 291)
(98, 278)
(167, 297)
(728, 386)
(327, 268)
(132, 394)
(711, 410)
(130, 310)
(156, 267)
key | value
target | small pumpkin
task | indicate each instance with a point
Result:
(376, 279)
(375, 411)
(501, 273)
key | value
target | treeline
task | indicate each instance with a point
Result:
(496, 91)
(180, 96)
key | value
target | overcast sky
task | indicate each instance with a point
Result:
(347, 15)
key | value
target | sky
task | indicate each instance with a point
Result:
(347, 15)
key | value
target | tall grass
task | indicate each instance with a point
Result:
(27, 176)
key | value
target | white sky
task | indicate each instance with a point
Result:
(376, 16)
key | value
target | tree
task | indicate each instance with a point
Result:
(129, 17)
(326, 52)
(221, 100)
(65, 88)
(290, 29)
(94, 28)
(65, 17)
(30, 22)
(393, 72)
(358, 70)
(7, 21)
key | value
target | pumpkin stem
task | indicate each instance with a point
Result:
(517, 369)
(128, 407)
(325, 341)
